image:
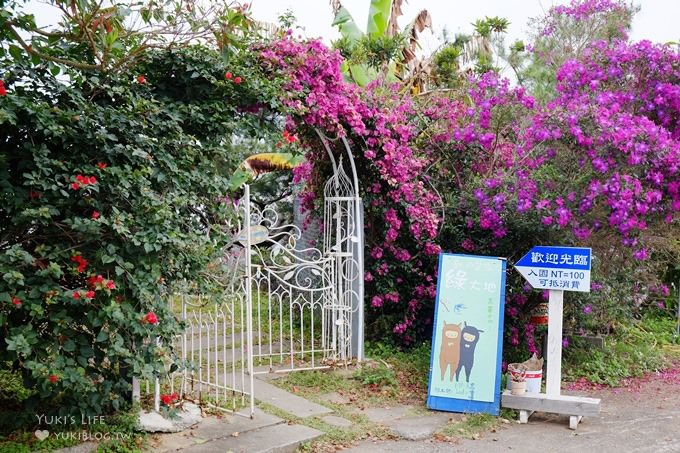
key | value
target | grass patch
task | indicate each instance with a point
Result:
(631, 352)
(117, 435)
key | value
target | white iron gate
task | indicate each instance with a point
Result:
(284, 307)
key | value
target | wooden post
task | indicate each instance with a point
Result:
(554, 378)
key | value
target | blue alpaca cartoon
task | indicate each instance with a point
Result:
(468, 343)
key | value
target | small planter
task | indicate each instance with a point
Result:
(518, 388)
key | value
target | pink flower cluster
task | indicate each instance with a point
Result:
(377, 121)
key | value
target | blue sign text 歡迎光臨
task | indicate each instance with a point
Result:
(557, 268)
(557, 257)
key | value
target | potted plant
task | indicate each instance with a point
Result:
(518, 384)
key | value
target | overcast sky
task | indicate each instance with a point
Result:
(657, 20)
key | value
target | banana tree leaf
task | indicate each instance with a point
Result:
(378, 17)
(346, 25)
(362, 74)
(268, 162)
(261, 163)
(239, 178)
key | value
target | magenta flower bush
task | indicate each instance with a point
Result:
(602, 156)
(400, 208)
(605, 154)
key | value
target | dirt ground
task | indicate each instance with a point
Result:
(641, 416)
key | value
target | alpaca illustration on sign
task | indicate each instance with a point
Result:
(449, 353)
(468, 343)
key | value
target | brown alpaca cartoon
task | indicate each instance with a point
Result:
(449, 353)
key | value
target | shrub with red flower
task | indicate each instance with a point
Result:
(83, 181)
(169, 399)
(80, 261)
(150, 318)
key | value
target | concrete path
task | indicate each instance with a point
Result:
(409, 422)
(234, 433)
(263, 433)
(640, 420)
(293, 404)
(644, 418)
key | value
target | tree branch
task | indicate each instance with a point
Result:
(29, 49)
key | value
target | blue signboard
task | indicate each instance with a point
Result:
(557, 268)
(467, 339)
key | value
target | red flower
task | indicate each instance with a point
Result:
(228, 76)
(237, 80)
(76, 295)
(89, 294)
(141, 79)
(82, 179)
(75, 186)
(3, 91)
(33, 195)
(92, 281)
(53, 378)
(151, 318)
(82, 262)
(92, 180)
(169, 399)
(101, 165)
(16, 301)
(110, 284)
(95, 215)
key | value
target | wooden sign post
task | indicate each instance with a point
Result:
(556, 269)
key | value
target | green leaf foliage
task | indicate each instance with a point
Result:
(111, 191)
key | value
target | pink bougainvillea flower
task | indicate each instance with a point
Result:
(75, 186)
(228, 75)
(101, 165)
(151, 318)
(95, 215)
(110, 284)
(76, 295)
(16, 301)
(3, 90)
(237, 80)
(89, 294)
(141, 79)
